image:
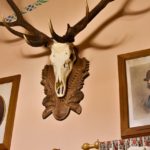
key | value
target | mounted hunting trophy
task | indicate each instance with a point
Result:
(63, 78)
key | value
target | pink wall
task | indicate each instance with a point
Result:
(100, 118)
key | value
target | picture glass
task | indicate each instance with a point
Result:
(138, 81)
(5, 93)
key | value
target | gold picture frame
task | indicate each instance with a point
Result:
(134, 75)
(9, 87)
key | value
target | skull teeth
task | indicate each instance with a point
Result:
(60, 88)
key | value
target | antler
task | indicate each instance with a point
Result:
(79, 26)
(34, 38)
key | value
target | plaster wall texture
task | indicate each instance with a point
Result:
(100, 117)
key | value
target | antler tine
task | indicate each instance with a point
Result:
(53, 33)
(35, 37)
(79, 26)
(12, 30)
(56, 36)
(87, 8)
(51, 27)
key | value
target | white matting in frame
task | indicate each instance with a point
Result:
(138, 91)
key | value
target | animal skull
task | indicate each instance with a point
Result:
(62, 59)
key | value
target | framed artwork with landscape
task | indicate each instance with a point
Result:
(9, 87)
(134, 87)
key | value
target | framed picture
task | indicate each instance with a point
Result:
(9, 87)
(134, 87)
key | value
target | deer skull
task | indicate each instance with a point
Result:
(62, 59)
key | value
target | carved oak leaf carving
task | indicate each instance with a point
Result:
(61, 107)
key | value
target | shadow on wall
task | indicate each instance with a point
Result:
(122, 12)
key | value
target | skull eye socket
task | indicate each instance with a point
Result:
(71, 57)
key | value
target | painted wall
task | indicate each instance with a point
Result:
(100, 118)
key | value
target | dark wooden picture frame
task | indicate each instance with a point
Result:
(9, 87)
(133, 70)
